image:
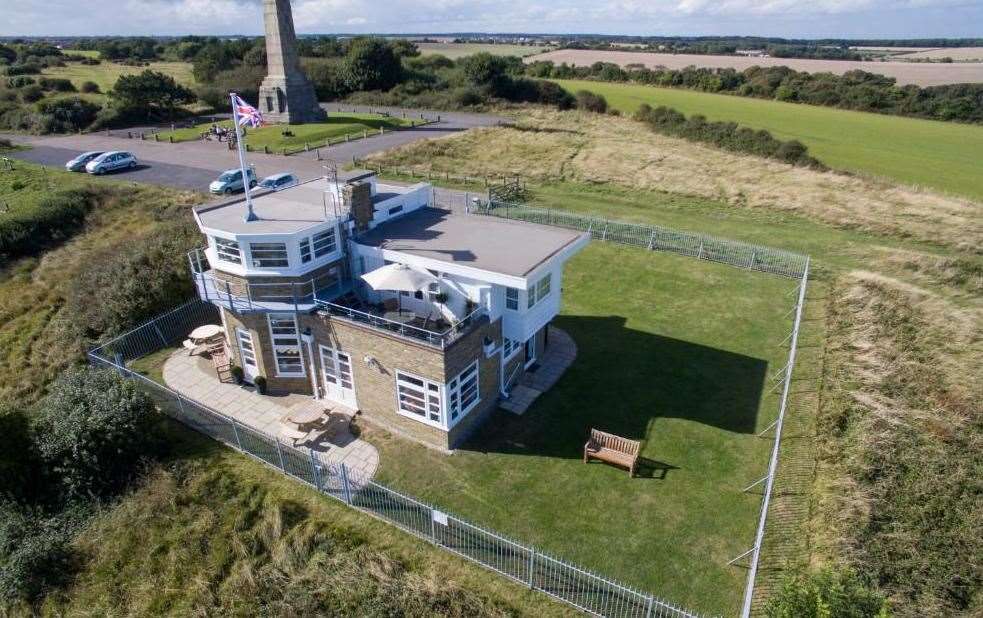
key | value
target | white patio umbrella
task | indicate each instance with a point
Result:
(399, 277)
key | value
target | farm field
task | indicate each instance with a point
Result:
(459, 50)
(337, 125)
(942, 156)
(959, 54)
(106, 73)
(905, 72)
(652, 367)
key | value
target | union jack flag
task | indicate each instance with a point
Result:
(246, 112)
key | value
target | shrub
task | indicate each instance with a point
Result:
(260, 383)
(237, 373)
(90, 61)
(20, 81)
(89, 87)
(56, 84)
(590, 102)
(23, 69)
(35, 553)
(19, 463)
(371, 64)
(55, 219)
(827, 593)
(92, 430)
(31, 93)
(68, 114)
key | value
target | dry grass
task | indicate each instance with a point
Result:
(899, 493)
(583, 147)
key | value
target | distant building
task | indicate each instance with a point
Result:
(752, 53)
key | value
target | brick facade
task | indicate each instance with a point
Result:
(278, 287)
(258, 326)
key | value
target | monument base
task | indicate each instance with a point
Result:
(289, 101)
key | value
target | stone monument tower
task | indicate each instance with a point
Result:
(286, 95)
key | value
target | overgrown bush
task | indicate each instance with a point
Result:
(19, 461)
(826, 594)
(590, 102)
(726, 135)
(31, 93)
(67, 115)
(133, 282)
(34, 552)
(23, 69)
(56, 84)
(93, 428)
(55, 219)
(20, 81)
(89, 87)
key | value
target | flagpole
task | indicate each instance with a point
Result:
(250, 215)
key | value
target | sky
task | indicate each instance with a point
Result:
(784, 18)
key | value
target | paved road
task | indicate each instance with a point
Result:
(192, 165)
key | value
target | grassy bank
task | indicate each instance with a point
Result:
(939, 155)
(106, 73)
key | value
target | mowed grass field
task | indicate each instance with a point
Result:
(459, 50)
(106, 73)
(672, 351)
(938, 155)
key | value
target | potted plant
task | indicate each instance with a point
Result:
(440, 298)
(237, 373)
(260, 384)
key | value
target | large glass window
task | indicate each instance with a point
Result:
(228, 251)
(269, 254)
(539, 291)
(462, 392)
(419, 398)
(286, 344)
(305, 250)
(512, 299)
(325, 243)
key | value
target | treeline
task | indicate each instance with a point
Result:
(726, 135)
(855, 90)
(756, 42)
(724, 47)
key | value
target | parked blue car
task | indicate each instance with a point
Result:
(110, 162)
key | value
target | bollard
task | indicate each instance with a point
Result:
(156, 137)
(142, 136)
(170, 138)
(307, 147)
(317, 154)
(365, 134)
(266, 150)
(129, 135)
(347, 137)
(382, 130)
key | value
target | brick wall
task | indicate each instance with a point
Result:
(282, 286)
(462, 354)
(258, 327)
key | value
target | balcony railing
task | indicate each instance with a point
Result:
(321, 292)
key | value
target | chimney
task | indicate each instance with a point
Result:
(357, 197)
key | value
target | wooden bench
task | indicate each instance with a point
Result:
(612, 449)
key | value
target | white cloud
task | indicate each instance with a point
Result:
(764, 17)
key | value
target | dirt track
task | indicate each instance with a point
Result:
(922, 74)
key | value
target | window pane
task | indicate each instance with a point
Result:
(544, 288)
(228, 251)
(269, 255)
(531, 293)
(305, 250)
(324, 243)
(512, 299)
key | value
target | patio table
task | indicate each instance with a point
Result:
(305, 416)
(205, 332)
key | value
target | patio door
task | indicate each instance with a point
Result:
(247, 354)
(530, 349)
(339, 384)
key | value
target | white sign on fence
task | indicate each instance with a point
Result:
(440, 517)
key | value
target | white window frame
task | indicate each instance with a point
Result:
(255, 262)
(283, 347)
(454, 398)
(224, 250)
(430, 388)
(512, 299)
(324, 243)
(539, 290)
(305, 250)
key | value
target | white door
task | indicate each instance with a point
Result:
(339, 384)
(248, 355)
(530, 348)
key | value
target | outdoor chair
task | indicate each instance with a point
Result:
(612, 449)
(193, 348)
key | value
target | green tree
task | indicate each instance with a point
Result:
(151, 91)
(483, 69)
(211, 60)
(371, 64)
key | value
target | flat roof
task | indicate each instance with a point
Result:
(279, 212)
(487, 243)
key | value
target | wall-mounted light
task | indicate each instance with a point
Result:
(371, 361)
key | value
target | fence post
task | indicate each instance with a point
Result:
(160, 334)
(648, 611)
(235, 432)
(317, 480)
(651, 239)
(120, 363)
(604, 234)
(532, 567)
(345, 486)
(751, 262)
(699, 255)
(279, 453)
(228, 294)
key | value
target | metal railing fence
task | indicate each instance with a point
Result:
(657, 238)
(525, 564)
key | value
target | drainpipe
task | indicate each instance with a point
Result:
(308, 340)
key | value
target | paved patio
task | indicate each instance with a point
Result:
(195, 378)
(560, 353)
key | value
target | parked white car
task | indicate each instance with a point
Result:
(230, 181)
(78, 163)
(278, 182)
(110, 162)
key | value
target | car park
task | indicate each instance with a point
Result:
(278, 182)
(78, 163)
(110, 162)
(230, 181)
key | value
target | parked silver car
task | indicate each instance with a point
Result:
(278, 182)
(78, 163)
(230, 181)
(110, 162)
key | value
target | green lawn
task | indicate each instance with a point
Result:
(671, 350)
(314, 134)
(940, 155)
(106, 73)
(459, 50)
